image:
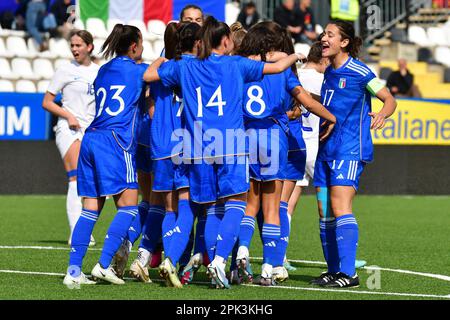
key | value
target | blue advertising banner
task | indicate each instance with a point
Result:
(22, 117)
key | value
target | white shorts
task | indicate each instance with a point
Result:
(311, 154)
(65, 136)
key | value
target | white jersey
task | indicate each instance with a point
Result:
(311, 81)
(75, 82)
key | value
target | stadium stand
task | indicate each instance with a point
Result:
(6, 85)
(25, 86)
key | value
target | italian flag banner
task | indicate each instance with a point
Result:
(165, 10)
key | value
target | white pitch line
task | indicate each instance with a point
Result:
(421, 274)
(397, 294)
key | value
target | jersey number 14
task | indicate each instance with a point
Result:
(211, 103)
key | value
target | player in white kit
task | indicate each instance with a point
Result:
(75, 82)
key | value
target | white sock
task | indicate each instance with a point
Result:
(144, 256)
(73, 205)
(290, 219)
(219, 260)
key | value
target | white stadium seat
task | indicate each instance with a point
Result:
(156, 29)
(111, 23)
(18, 47)
(6, 86)
(42, 86)
(231, 12)
(302, 48)
(43, 68)
(60, 48)
(318, 29)
(437, 36)
(25, 86)
(98, 43)
(3, 51)
(60, 62)
(148, 53)
(442, 54)
(447, 34)
(33, 49)
(6, 71)
(78, 24)
(158, 47)
(22, 67)
(141, 26)
(418, 35)
(96, 27)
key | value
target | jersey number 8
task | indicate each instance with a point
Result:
(116, 96)
(256, 99)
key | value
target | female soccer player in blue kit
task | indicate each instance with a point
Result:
(346, 92)
(265, 105)
(212, 89)
(106, 164)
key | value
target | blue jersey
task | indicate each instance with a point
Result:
(120, 99)
(345, 95)
(212, 92)
(270, 97)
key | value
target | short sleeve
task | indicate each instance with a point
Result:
(367, 78)
(292, 80)
(251, 70)
(58, 82)
(169, 73)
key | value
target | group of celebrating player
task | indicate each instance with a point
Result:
(214, 130)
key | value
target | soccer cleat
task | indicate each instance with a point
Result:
(120, 259)
(187, 275)
(140, 272)
(360, 264)
(168, 272)
(156, 259)
(323, 279)
(288, 265)
(243, 265)
(280, 274)
(108, 274)
(267, 275)
(216, 271)
(234, 277)
(75, 282)
(342, 280)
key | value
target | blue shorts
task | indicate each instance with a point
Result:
(268, 152)
(210, 182)
(168, 175)
(104, 168)
(295, 168)
(143, 159)
(338, 173)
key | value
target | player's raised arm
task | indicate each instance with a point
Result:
(390, 104)
(316, 108)
(281, 65)
(151, 74)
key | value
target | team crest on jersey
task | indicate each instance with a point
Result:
(342, 83)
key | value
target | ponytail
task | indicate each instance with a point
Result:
(170, 40)
(120, 39)
(187, 36)
(212, 33)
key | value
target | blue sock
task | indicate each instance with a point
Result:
(167, 226)
(233, 265)
(152, 228)
(246, 231)
(347, 242)
(181, 231)
(81, 236)
(260, 220)
(284, 231)
(186, 256)
(199, 246)
(329, 244)
(214, 217)
(136, 227)
(271, 238)
(229, 228)
(116, 233)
